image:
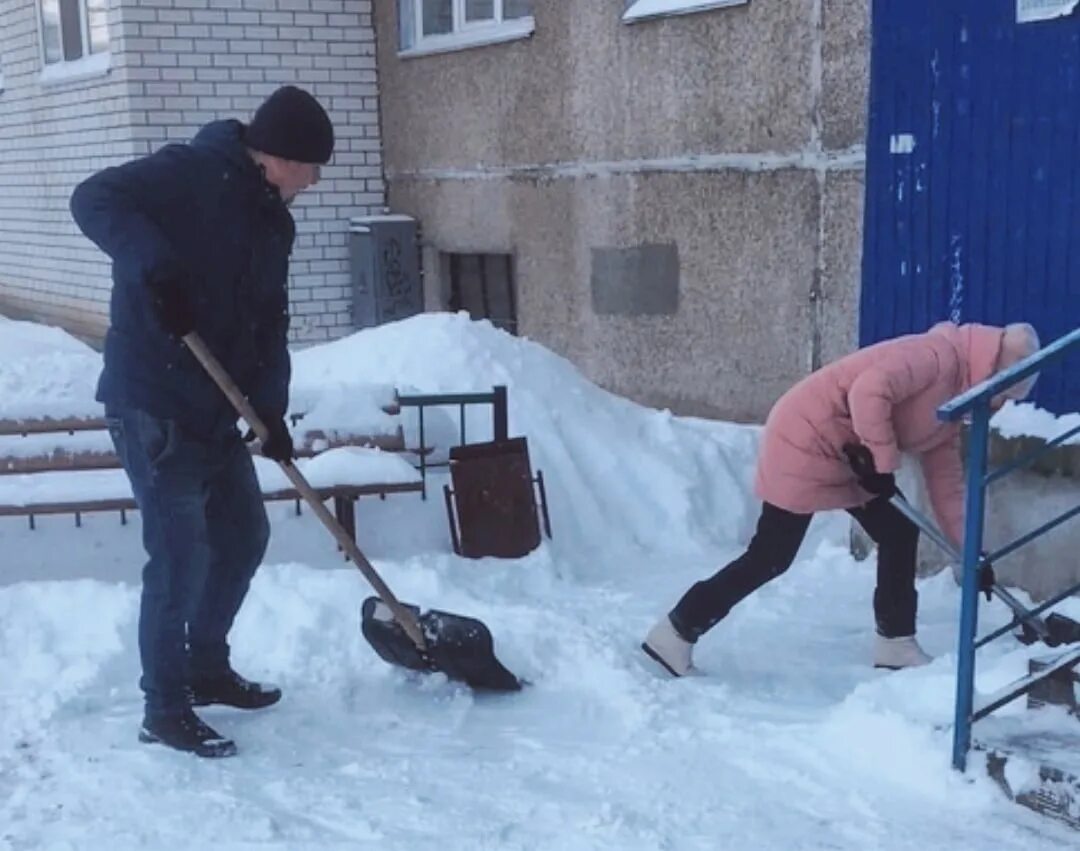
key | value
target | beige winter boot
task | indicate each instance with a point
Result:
(669, 648)
(896, 653)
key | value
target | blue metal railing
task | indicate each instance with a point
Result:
(976, 402)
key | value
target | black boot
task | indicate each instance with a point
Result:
(231, 689)
(186, 732)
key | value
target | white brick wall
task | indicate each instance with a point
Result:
(50, 136)
(180, 64)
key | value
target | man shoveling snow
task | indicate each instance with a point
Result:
(200, 237)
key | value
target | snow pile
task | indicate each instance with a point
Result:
(1027, 420)
(45, 372)
(616, 472)
(348, 465)
(339, 408)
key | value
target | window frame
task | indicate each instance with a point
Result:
(88, 64)
(673, 7)
(463, 34)
(495, 291)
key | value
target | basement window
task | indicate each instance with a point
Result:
(482, 285)
(643, 10)
(438, 26)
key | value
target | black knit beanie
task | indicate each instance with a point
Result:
(292, 125)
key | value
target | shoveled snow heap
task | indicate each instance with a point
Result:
(788, 739)
(613, 467)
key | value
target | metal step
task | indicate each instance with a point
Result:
(1023, 685)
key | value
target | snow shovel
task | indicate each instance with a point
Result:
(1054, 630)
(988, 585)
(862, 462)
(458, 646)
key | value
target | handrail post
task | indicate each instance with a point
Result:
(499, 419)
(422, 449)
(969, 600)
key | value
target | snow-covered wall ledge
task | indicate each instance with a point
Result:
(1018, 430)
(1057, 461)
(644, 10)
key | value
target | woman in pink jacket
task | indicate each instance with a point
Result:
(884, 397)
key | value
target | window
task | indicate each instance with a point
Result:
(74, 38)
(434, 26)
(483, 285)
(639, 10)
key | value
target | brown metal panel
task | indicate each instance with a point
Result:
(493, 493)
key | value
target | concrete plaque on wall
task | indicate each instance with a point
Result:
(638, 281)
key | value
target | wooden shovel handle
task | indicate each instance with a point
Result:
(217, 372)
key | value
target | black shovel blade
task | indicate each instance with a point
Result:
(460, 647)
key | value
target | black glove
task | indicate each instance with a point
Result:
(172, 306)
(278, 445)
(861, 461)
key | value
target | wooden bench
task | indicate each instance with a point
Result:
(79, 453)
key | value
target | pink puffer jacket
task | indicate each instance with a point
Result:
(886, 397)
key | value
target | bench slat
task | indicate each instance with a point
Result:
(47, 425)
(89, 506)
(59, 461)
(67, 425)
(62, 460)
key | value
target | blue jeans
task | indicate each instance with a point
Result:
(205, 532)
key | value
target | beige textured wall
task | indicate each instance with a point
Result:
(587, 86)
(739, 294)
(845, 53)
(735, 133)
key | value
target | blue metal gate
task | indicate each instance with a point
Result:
(973, 174)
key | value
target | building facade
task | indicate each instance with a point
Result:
(668, 192)
(89, 83)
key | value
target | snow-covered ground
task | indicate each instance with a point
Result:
(787, 739)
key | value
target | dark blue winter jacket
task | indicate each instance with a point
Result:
(205, 210)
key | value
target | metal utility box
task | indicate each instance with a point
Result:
(385, 269)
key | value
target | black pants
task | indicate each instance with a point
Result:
(773, 548)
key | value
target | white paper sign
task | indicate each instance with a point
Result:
(1043, 10)
(901, 143)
